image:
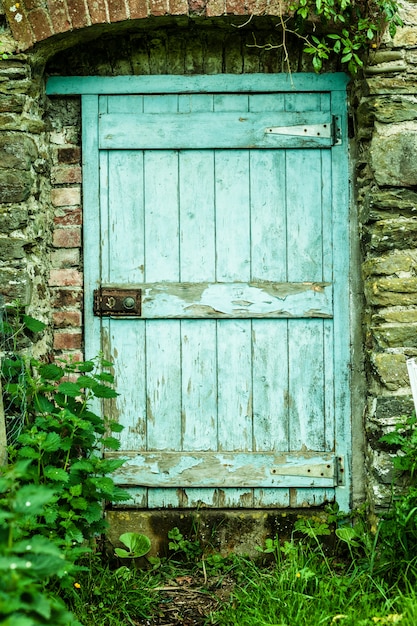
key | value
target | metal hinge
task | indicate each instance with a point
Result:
(330, 130)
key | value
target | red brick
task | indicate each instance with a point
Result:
(66, 319)
(158, 7)
(73, 357)
(65, 257)
(21, 30)
(69, 155)
(215, 7)
(31, 4)
(77, 13)
(178, 7)
(66, 238)
(97, 10)
(138, 9)
(117, 10)
(71, 217)
(66, 174)
(65, 278)
(66, 196)
(41, 25)
(235, 7)
(67, 341)
(59, 16)
(66, 297)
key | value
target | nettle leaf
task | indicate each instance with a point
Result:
(93, 513)
(69, 389)
(51, 372)
(32, 324)
(106, 376)
(115, 427)
(82, 465)
(103, 391)
(85, 366)
(43, 405)
(56, 473)
(79, 503)
(31, 499)
(28, 453)
(111, 442)
(52, 442)
(85, 382)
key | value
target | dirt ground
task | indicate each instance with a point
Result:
(189, 600)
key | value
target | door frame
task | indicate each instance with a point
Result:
(91, 87)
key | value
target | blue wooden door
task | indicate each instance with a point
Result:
(224, 209)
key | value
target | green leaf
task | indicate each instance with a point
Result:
(103, 391)
(32, 324)
(52, 442)
(56, 474)
(317, 63)
(138, 544)
(31, 499)
(115, 427)
(85, 366)
(69, 389)
(106, 376)
(111, 442)
(43, 405)
(348, 534)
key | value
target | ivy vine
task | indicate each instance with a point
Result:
(343, 29)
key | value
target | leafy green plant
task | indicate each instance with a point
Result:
(28, 560)
(64, 441)
(342, 29)
(137, 545)
(190, 548)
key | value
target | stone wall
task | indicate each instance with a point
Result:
(41, 208)
(385, 104)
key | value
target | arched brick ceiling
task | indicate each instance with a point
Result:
(32, 21)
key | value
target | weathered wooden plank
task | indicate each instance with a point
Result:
(217, 129)
(221, 469)
(227, 83)
(304, 217)
(262, 299)
(199, 384)
(129, 409)
(234, 385)
(306, 378)
(270, 385)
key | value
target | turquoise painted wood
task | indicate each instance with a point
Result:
(234, 381)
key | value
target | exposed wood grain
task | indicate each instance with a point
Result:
(232, 300)
(206, 469)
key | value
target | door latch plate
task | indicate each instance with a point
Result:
(114, 302)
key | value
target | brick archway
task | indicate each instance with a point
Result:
(32, 21)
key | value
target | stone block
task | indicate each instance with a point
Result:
(390, 264)
(391, 370)
(392, 408)
(394, 154)
(12, 248)
(17, 151)
(15, 186)
(13, 218)
(391, 292)
(391, 234)
(15, 285)
(395, 336)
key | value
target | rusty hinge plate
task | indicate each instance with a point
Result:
(114, 302)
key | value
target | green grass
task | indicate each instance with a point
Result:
(303, 586)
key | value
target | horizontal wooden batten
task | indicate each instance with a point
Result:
(218, 83)
(231, 469)
(162, 131)
(233, 300)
